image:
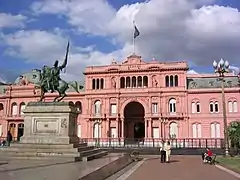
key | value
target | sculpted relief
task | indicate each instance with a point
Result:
(113, 81)
(154, 81)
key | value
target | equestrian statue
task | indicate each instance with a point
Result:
(50, 80)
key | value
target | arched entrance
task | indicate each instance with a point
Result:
(20, 131)
(134, 127)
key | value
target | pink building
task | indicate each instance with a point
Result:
(135, 99)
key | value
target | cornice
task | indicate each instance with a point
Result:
(134, 71)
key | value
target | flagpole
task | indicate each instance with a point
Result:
(133, 38)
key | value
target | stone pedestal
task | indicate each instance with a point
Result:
(50, 123)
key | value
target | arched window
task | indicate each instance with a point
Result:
(97, 130)
(176, 80)
(167, 81)
(12, 129)
(171, 81)
(101, 83)
(128, 82)
(215, 130)
(196, 130)
(79, 130)
(98, 84)
(235, 106)
(93, 84)
(1, 130)
(97, 107)
(173, 129)
(134, 82)
(78, 105)
(20, 131)
(122, 82)
(194, 107)
(145, 81)
(232, 106)
(22, 107)
(198, 107)
(172, 106)
(216, 107)
(1, 109)
(14, 109)
(139, 81)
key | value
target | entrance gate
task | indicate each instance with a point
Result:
(134, 127)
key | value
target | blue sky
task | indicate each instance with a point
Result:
(32, 35)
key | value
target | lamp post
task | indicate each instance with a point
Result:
(221, 68)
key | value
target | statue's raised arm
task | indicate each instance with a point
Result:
(66, 58)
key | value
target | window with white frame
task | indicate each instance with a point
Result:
(1, 130)
(214, 107)
(97, 107)
(197, 130)
(173, 130)
(232, 106)
(22, 107)
(154, 108)
(195, 107)
(198, 107)
(235, 106)
(113, 109)
(14, 109)
(97, 130)
(172, 106)
(215, 130)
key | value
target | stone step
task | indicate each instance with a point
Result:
(94, 156)
(26, 149)
(66, 159)
(89, 152)
(41, 154)
(47, 146)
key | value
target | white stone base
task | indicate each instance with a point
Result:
(50, 123)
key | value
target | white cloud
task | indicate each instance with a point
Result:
(89, 16)
(44, 47)
(2, 80)
(9, 20)
(192, 72)
(169, 30)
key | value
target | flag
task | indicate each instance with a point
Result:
(136, 32)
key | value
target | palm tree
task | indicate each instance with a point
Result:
(234, 135)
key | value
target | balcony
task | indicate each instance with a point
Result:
(16, 117)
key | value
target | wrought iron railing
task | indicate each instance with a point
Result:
(153, 142)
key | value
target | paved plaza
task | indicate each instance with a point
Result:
(181, 168)
(58, 169)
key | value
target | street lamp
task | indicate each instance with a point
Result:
(221, 68)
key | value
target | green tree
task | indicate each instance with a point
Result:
(234, 134)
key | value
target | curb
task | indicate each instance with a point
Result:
(109, 169)
(237, 175)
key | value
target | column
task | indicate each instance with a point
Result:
(122, 128)
(150, 128)
(117, 128)
(146, 128)
(160, 128)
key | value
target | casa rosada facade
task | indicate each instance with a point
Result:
(135, 99)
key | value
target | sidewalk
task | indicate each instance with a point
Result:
(181, 168)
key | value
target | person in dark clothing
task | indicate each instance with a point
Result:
(163, 152)
(9, 138)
